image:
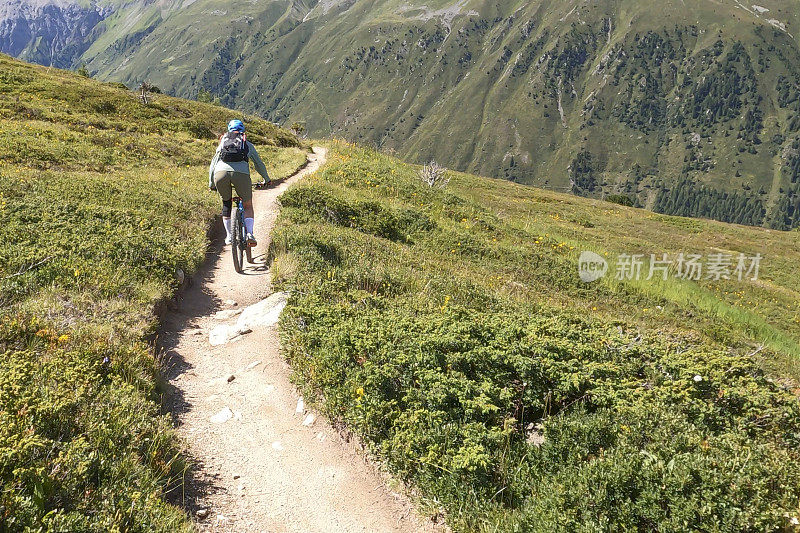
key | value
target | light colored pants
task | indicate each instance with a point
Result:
(227, 180)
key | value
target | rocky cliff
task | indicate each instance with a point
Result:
(48, 32)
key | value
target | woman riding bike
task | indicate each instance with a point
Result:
(230, 169)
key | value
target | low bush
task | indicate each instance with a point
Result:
(367, 216)
(117, 85)
(619, 199)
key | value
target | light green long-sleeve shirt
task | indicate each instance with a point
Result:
(237, 166)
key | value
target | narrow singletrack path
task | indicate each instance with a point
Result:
(264, 463)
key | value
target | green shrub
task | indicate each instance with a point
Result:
(620, 199)
(82, 448)
(367, 216)
(117, 85)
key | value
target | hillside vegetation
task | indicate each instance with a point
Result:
(449, 328)
(687, 108)
(104, 207)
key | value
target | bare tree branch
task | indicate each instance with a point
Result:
(25, 270)
(434, 175)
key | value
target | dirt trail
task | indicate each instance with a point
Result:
(264, 464)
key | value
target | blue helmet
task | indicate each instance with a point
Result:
(236, 125)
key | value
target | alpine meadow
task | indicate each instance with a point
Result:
(101, 213)
(448, 328)
(521, 266)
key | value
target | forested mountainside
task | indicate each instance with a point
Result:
(685, 108)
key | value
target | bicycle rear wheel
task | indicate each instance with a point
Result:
(237, 243)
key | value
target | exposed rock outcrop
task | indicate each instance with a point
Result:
(48, 32)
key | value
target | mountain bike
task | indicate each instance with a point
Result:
(239, 247)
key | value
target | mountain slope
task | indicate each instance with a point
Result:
(450, 329)
(104, 207)
(685, 108)
(447, 326)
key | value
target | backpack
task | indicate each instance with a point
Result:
(233, 147)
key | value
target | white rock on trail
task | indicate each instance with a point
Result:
(219, 335)
(225, 314)
(223, 416)
(264, 313)
(301, 407)
(222, 334)
(309, 420)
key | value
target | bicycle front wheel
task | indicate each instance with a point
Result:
(238, 244)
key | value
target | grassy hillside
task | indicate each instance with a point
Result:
(686, 108)
(103, 202)
(449, 328)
